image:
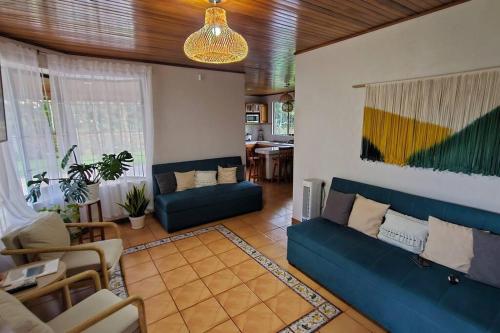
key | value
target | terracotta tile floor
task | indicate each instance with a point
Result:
(206, 284)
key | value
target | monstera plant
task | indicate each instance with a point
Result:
(82, 183)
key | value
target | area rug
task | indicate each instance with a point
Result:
(322, 313)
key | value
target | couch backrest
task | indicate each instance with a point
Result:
(422, 207)
(201, 165)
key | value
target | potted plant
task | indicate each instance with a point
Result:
(82, 183)
(136, 204)
(111, 167)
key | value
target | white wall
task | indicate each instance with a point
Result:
(330, 112)
(197, 119)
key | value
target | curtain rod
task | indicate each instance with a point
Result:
(363, 85)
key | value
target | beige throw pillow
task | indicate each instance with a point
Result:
(227, 175)
(48, 230)
(185, 180)
(367, 215)
(449, 244)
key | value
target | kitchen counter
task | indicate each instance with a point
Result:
(267, 149)
(270, 143)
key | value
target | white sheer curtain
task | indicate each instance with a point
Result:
(104, 107)
(29, 149)
(14, 212)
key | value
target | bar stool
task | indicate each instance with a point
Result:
(289, 165)
(281, 163)
(253, 165)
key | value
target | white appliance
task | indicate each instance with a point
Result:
(252, 118)
(311, 198)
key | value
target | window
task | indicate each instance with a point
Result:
(99, 122)
(283, 122)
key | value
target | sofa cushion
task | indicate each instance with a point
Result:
(484, 266)
(240, 170)
(367, 215)
(184, 180)
(166, 182)
(205, 178)
(15, 317)
(125, 320)
(205, 196)
(390, 270)
(226, 175)
(404, 231)
(48, 230)
(449, 244)
(79, 261)
(338, 207)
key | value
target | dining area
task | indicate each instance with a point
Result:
(269, 161)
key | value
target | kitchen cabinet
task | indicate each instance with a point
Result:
(261, 108)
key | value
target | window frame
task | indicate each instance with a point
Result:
(278, 104)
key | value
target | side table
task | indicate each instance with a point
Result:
(45, 281)
(88, 206)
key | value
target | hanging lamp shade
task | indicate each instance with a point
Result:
(215, 42)
(286, 101)
(286, 98)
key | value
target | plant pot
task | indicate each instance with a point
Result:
(93, 192)
(137, 222)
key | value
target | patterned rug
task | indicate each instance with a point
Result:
(323, 311)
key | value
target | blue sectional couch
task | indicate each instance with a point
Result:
(383, 282)
(180, 210)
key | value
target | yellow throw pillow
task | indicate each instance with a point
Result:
(367, 215)
(226, 175)
(185, 180)
(48, 230)
(449, 244)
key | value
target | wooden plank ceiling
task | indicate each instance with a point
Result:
(155, 30)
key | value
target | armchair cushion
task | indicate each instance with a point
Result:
(124, 321)
(11, 242)
(79, 261)
(48, 230)
(17, 318)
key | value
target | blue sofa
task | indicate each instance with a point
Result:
(180, 210)
(383, 282)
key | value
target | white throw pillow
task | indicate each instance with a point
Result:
(449, 244)
(227, 175)
(404, 231)
(205, 178)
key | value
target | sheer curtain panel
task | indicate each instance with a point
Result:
(104, 107)
(30, 148)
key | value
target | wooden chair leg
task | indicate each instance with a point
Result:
(99, 214)
(274, 172)
(89, 217)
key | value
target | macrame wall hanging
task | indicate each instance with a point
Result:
(445, 123)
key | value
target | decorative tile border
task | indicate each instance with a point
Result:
(117, 283)
(323, 311)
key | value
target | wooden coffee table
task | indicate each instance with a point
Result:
(45, 281)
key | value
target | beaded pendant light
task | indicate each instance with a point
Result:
(215, 42)
(286, 101)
